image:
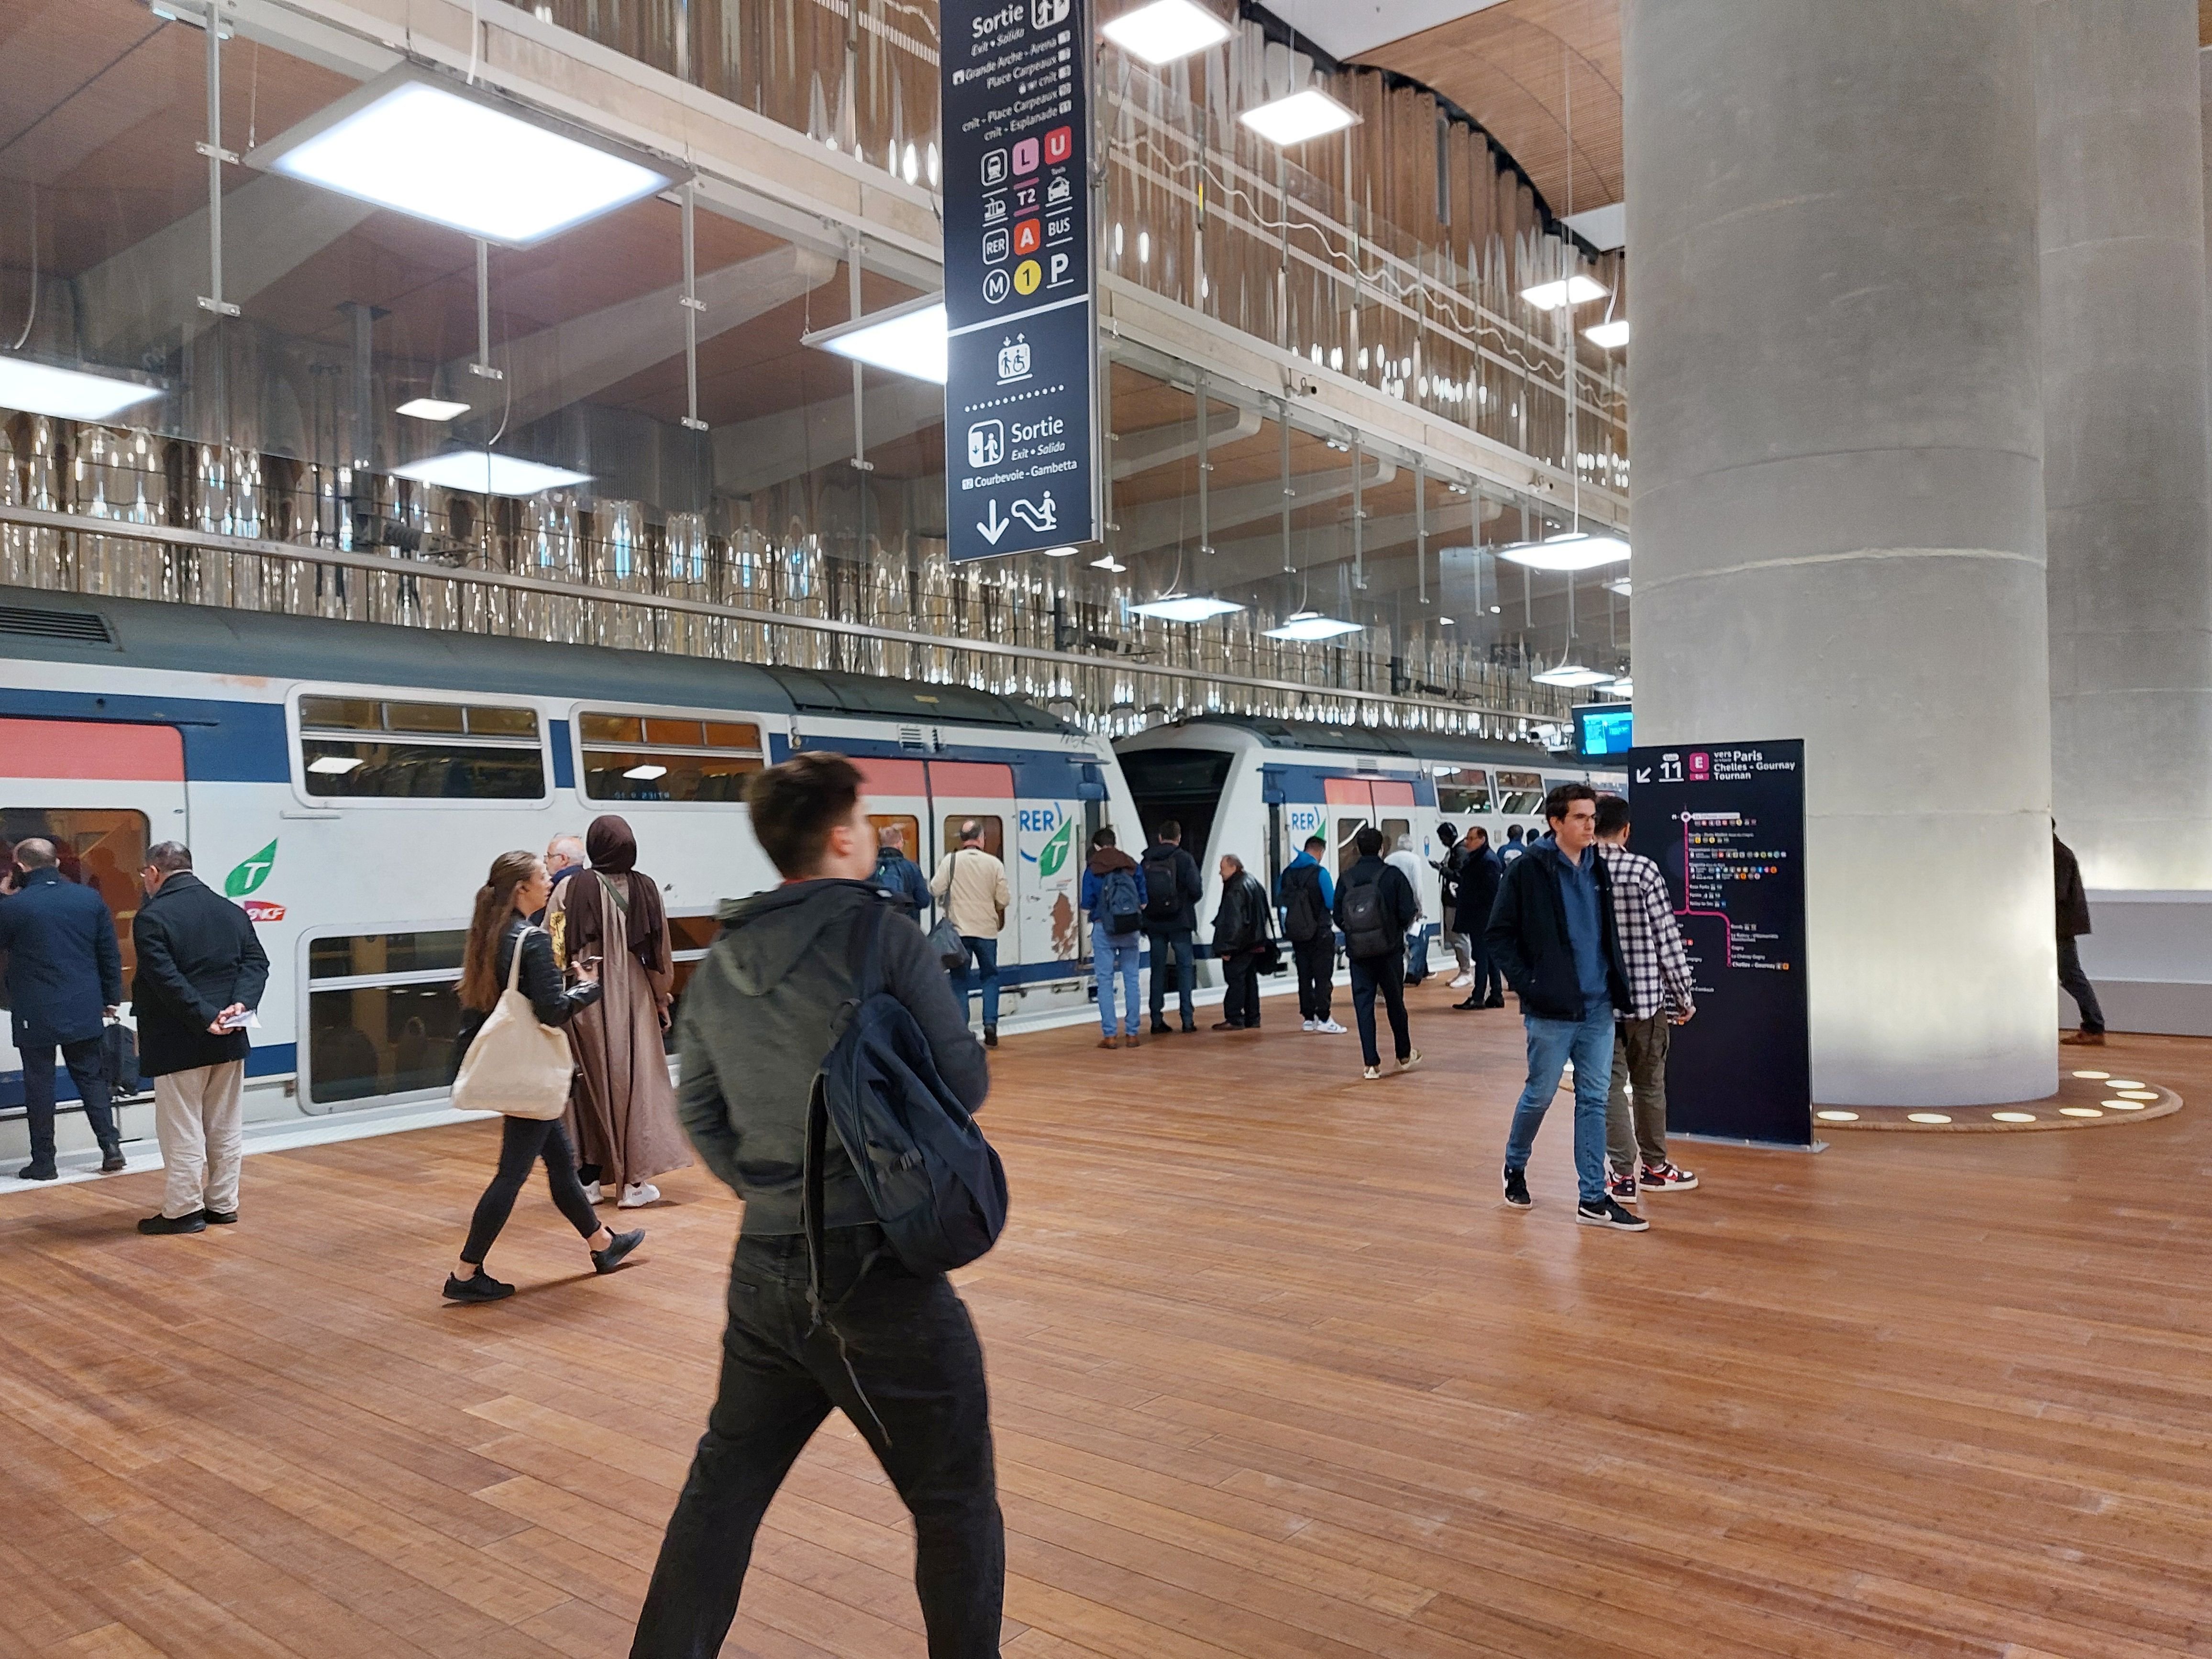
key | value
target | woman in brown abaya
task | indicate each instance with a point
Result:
(622, 1108)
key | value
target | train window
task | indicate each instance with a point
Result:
(680, 760)
(102, 849)
(436, 751)
(366, 955)
(1519, 792)
(383, 1014)
(1468, 792)
(1394, 830)
(1347, 854)
(994, 833)
(908, 825)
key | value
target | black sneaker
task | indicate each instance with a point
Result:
(194, 1222)
(618, 1248)
(37, 1172)
(111, 1160)
(1606, 1213)
(1621, 1188)
(1161, 1028)
(480, 1286)
(220, 1218)
(990, 1036)
(1517, 1189)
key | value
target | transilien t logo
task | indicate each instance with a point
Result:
(1053, 853)
(250, 873)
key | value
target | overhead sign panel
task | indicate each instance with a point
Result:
(1725, 822)
(1021, 437)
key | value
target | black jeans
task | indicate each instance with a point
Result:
(522, 1142)
(904, 1365)
(2075, 984)
(1171, 943)
(83, 1060)
(1488, 982)
(1242, 972)
(1316, 965)
(1386, 974)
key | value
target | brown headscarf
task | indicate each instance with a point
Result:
(612, 849)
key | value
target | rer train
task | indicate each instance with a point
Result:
(348, 783)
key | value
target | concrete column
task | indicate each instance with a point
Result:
(2121, 150)
(1837, 496)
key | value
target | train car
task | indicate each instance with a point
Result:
(1258, 787)
(349, 783)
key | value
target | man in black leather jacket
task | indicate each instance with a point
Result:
(902, 1361)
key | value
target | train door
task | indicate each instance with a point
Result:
(1052, 839)
(897, 794)
(102, 793)
(982, 793)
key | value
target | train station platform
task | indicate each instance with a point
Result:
(1274, 1374)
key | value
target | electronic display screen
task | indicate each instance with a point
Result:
(1605, 728)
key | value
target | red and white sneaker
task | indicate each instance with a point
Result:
(1667, 1177)
(1619, 1185)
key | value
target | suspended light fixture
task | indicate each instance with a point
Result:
(458, 157)
(1165, 30)
(67, 394)
(906, 339)
(1618, 585)
(1607, 336)
(1623, 687)
(1306, 625)
(1060, 552)
(483, 473)
(1185, 608)
(431, 408)
(1575, 550)
(1575, 290)
(647, 773)
(1107, 562)
(1307, 114)
(1571, 674)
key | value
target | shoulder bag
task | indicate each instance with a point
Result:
(516, 1066)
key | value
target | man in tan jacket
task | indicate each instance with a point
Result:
(971, 885)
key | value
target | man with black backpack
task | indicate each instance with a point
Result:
(829, 1306)
(1375, 906)
(1173, 891)
(1114, 894)
(1308, 901)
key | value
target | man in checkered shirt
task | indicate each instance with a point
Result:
(1659, 988)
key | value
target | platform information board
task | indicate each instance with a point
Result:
(1725, 822)
(1021, 438)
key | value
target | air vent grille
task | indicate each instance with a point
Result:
(80, 627)
(910, 737)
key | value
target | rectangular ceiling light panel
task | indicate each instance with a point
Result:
(1310, 113)
(1576, 290)
(456, 159)
(1165, 30)
(481, 473)
(906, 339)
(1186, 609)
(431, 408)
(67, 394)
(1607, 336)
(1578, 551)
(1303, 627)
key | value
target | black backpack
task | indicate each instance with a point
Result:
(1305, 917)
(1162, 886)
(1117, 903)
(1367, 929)
(935, 1184)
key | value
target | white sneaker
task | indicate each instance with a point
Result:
(637, 1195)
(595, 1193)
(1330, 1027)
(1409, 1062)
(1463, 981)
(1311, 1026)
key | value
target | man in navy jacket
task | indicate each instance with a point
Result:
(64, 976)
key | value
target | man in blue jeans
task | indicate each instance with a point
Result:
(1551, 935)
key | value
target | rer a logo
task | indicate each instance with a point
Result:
(1052, 858)
(250, 873)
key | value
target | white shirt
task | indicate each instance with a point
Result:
(1407, 863)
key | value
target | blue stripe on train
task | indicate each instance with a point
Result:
(224, 742)
(276, 1059)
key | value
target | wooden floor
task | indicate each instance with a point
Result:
(1274, 1374)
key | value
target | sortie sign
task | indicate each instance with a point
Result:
(1021, 442)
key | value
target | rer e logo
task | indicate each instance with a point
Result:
(250, 873)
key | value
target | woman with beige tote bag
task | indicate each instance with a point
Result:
(512, 1051)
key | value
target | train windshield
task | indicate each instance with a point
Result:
(1181, 784)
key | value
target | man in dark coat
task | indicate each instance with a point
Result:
(201, 972)
(1375, 971)
(2073, 922)
(1480, 874)
(1553, 935)
(1241, 928)
(64, 976)
(1173, 891)
(899, 875)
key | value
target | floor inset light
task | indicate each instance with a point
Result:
(1308, 113)
(1836, 1117)
(1571, 674)
(2125, 1105)
(1165, 30)
(1577, 550)
(483, 473)
(1607, 336)
(2014, 1117)
(1575, 290)
(1930, 1117)
(457, 159)
(2138, 1094)
(2079, 1111)
(1060, 552)
(2120, 1082)
(2094, 1076)
(67, 394)
(431, 408)
(1186, 608)
(906, 339)
(332, 766)
(646, 773)
(1312, 625)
